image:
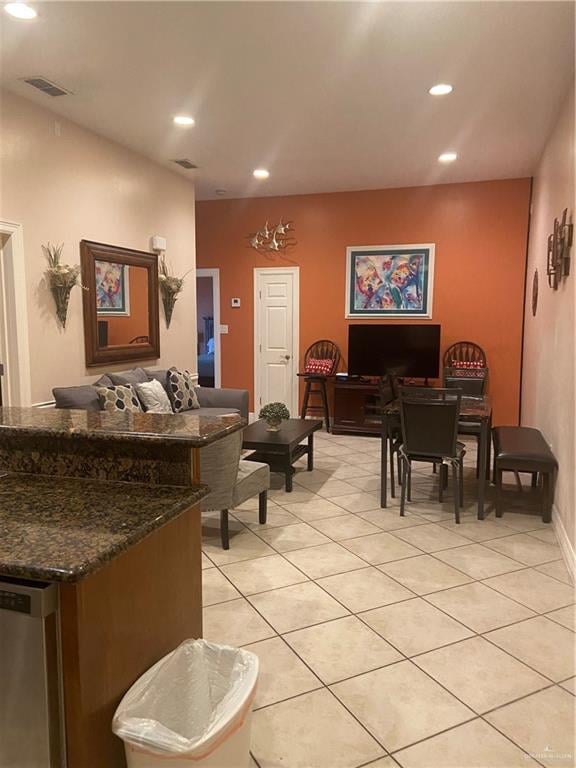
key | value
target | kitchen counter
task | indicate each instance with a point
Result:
(183, 428)
(63, 529)
(149, 448)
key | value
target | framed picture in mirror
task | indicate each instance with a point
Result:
(121, 317)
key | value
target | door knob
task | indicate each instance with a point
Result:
(286, 357)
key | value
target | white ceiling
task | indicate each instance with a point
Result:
(328, 96)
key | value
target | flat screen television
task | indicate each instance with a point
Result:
(404, 350)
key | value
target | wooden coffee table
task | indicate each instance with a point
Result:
(281, 449)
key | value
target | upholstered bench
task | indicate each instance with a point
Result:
(523, 449)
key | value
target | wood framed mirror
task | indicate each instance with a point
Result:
(121, 316)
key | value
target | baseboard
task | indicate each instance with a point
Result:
(566, 545)
(45, 404)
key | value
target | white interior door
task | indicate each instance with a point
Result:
(276, 328)
(4, 399)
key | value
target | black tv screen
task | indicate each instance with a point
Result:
(403, 350)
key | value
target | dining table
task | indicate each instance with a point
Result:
(473, 410)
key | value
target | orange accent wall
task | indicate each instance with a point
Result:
(480, 232)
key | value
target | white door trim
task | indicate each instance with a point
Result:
(16, 341)
(215, 275)
(258, 271)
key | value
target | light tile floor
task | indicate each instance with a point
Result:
(387, 641)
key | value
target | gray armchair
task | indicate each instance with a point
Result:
(232, 481)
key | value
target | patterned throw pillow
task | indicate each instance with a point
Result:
(181, 390)
(319, 366)
(153, 397)
(119, 398)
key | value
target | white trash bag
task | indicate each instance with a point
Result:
(196, 703)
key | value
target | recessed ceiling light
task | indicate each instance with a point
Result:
(260, 173)
(20, 11)
(442, 89)
(183, 120)
(447, 157)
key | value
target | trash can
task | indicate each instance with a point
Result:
(192, 708)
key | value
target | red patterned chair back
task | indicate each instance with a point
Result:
(322, 358)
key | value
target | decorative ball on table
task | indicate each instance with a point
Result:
(273, 413)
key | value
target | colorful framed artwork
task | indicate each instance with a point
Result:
(112, 288)
(389, 281)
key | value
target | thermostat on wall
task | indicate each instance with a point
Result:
(234, 302)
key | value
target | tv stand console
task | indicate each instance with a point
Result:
(356, 408)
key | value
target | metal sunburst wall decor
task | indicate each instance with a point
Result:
(273, 238)
(559, 242)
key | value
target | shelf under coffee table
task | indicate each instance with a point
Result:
(281, 449)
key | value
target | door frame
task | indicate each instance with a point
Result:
(215, 275)
(295, 271)
(16, 342)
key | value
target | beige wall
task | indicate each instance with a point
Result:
(549, 342)
(63, 183)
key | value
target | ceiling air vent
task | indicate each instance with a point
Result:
(51, 89)
(188, 164)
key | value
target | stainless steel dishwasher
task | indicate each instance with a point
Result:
(30, 688)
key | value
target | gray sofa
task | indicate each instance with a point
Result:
(213, 402)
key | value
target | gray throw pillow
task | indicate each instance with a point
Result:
(181, 391)
(121, 398)
(103, 381)
(83, 398)
(153, 397)
(135, 376)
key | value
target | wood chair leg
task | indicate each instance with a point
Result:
(324, 396)
(478, 457)
(461, 481)
(546, 497)
(456, 491)
(305, 401)
(498, 492)
(262, 507)
(441, 472)
(404, 487)
(224, 534)
(534, 479)
(409, 481)
(392, 487)
(399, 467)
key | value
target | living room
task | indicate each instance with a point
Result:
(312, 133)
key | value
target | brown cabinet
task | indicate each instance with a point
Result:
(356, 408)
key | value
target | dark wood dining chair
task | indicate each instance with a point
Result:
(429, 419)
(464, 352)
(389, 390)
(321, 361)
(472, 382)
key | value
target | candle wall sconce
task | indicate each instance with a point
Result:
(559, 243)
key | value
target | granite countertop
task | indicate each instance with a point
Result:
(183, 428)
(62, 529)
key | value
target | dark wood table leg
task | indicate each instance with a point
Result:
(383, 461)
(310, 465)
(288, 472)
(483, 448)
